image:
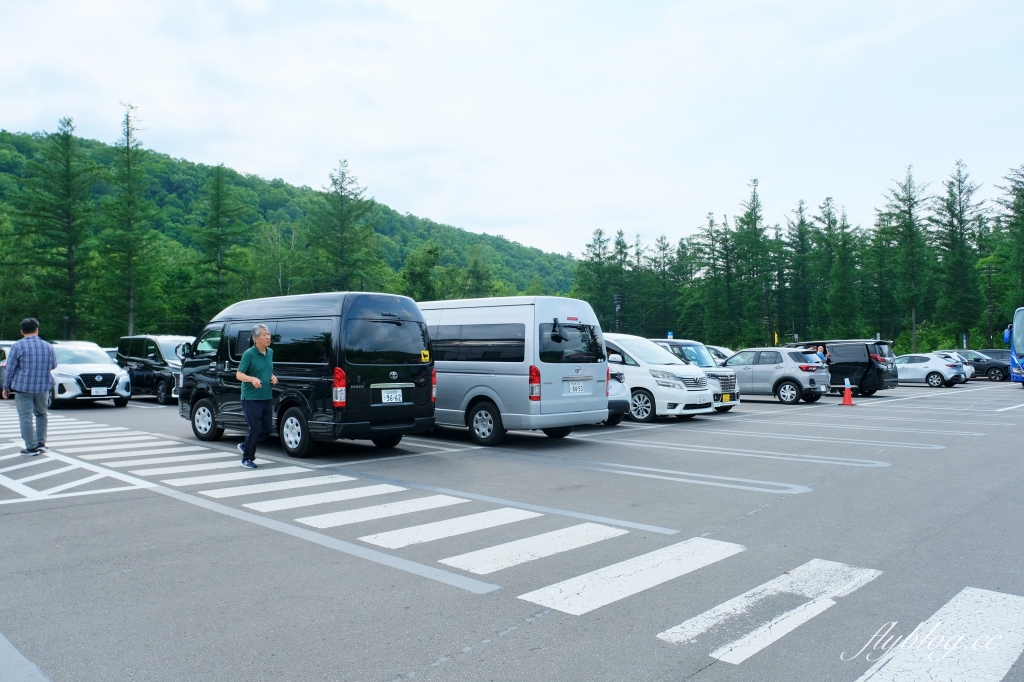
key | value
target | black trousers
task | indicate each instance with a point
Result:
(259, 417)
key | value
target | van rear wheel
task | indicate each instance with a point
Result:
(294, 431)
(485, 424)
(387, 442)
(558, 432)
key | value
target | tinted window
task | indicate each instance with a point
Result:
(578, 343)
(385, 342)
(370, 306)
(804, 357)
(744, 357)
(849, 353)
(479, 342)
(304, 340)
(149, 348)
(124, 348)
(769, 357)
(918, 359)
(208, 343)
(881, 349)
(901, 361)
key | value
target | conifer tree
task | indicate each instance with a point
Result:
(416, 278)
(219, 231)
(904, 209)
(799, 246)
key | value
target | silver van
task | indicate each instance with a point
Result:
(517, 362)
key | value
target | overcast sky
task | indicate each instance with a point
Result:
(541, 121)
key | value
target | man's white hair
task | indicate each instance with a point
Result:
(258, 329)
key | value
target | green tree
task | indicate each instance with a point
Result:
(799, 247)
(904, 208)
(219, 230)
(16, 286)
(957, 219)
(1011, 245)
(842, 300)
(57, 217)
(826, 226)
(478, 280)
(416, 278)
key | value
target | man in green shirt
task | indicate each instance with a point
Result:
(256, 372)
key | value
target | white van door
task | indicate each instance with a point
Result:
(572, 366)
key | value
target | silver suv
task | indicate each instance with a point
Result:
(786, 373)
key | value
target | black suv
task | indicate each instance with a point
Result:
(153, 365)
(868, 363)
(349, 365)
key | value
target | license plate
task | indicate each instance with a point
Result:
(99, 391)
(726, 397)
(575, 387)
(702, 399)
(391, 395)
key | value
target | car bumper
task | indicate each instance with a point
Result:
(366, 430)
(689, 402)
(725, 399)
(550, 421)
(69, 389)
(618, 406)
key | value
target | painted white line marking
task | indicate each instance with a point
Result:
(883, 401)
(38, 459)
(73, 484)
(991, 625)
(427, 532)
(71, 429)
(275, 486)
(186, 468)
(604, 586)
(824, 439)
(772, 631)
(127, 438)
(814, 580)
(144, 452)
(323, 498)
(168, 460)
(761, 454)
(380, 511)
(14, 667)
(498, 557)
(111, 446)
(237, 476)
(47, 474)
(1012, 407)
(861, 427)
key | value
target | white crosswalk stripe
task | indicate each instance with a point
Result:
(187, 468)
(380, 511)
(168, 460)
(75, 440)
(237, 476)
(437, 530)
(275, 486)
(323, 498)
(604, 586)
(977, 635)
(491, 559)
(159, 450)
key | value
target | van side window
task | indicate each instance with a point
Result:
(124, 347)
(307, 341)
(239, 338)
(149, 349)
(208, 343)
(479, 342)
(849, 353)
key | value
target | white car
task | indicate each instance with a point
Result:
(956, 356)
(929, 368)
(85, 372)
(618, 398)
(660, 384)
(720, 353)
(721, 380)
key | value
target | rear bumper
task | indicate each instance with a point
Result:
(550, 421)
(618, 407)
(365, 430)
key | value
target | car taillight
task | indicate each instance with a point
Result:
(607, 379)
(433, 384)
(534, 383)
(809, 368)
(953, 366)
(340, 387)
(877, 358)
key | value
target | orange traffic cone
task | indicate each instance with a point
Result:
(847, 397)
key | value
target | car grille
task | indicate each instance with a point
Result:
(695, 383)
(728, 382)
(90, 380)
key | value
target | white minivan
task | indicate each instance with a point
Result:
(660, 383)
(517, 362)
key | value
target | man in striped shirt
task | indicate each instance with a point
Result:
(29, 362)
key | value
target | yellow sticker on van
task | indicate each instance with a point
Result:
(425, 355)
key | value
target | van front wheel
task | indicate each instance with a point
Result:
(294, 432)
(485, 424)
(558, 432)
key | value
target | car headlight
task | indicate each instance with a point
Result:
(666, 379)
(63, 376)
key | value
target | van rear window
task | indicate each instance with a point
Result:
(386, 342)
(578, 343)
(479, 342)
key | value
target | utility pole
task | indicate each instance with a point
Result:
(988, 271)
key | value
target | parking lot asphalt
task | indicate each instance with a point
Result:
(770, 543)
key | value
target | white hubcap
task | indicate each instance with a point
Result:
(640, 406)
(203, 420)
(292, 432)
(788, 393)
(483, 424)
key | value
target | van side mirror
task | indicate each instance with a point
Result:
(152, 356)
(556, 332)
(615, 358)
(1006, 334)
(183, 351)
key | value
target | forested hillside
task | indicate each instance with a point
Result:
(933, 265)
(99, 239)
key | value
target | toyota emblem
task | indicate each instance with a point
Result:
(99, 377)
(578, 369)
(393, 375)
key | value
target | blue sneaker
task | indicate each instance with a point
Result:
(248, 464)
(241, 448)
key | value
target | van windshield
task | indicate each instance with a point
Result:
(579, 343)
(386, 342)
(699, 355)
(648, 352)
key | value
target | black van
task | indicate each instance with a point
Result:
(152, 364)
(349, 365)
(868, 363)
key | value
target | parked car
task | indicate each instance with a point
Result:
(349, 365)
(618, 398)
(1002, 354)
(721, 381)
(518, 362)
(153, 364)
(866, 363)
(660, 384)
(4, 347)
(957, 356)
(788, 374)
(111, 351)
(720, 353)
(929, 368)
(988, 365)
(85, 372)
